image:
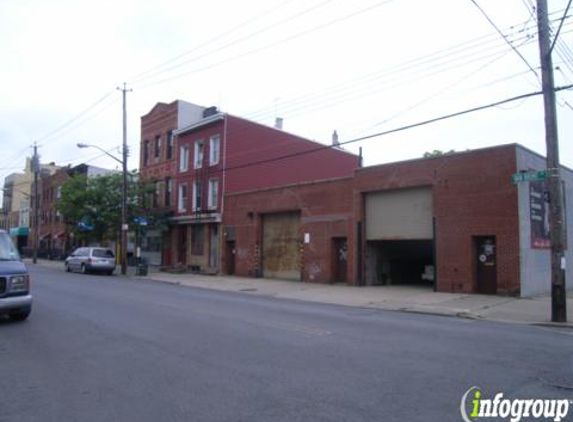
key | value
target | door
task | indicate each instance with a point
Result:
(340, 255)
(281, 246)
(214, 246)
(182, 249)
(486, 264)
(230, 255)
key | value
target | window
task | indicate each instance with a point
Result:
(197, 195)
(157, 153)
(197, 239)
(198, 160)
(59, 192)
(169, 145)
(145, 153)
(155, 200)
(184, 158)
(182, 202)
(214, 149)
(212, 200)
(168, 191)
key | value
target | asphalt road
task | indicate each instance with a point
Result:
(100, 348)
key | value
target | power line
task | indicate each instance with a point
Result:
(138, 77)
(560, 25)
(249, 36)
(390, 131)
(267, 46)
(75, 118)
(504, 38)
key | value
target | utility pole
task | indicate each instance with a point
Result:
(36, 167)
(558, 264)
(124, 225)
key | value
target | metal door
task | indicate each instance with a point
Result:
(485, 247)
(340, 254)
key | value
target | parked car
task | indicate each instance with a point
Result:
(91, 259)
(15, 297)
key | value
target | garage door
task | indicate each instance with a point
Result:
(404, 214)
(281, 246)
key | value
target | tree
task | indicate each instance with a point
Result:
(92, 205)
(438, 153)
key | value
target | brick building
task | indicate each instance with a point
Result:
(454, 222)
(55, 241)
(196, 165)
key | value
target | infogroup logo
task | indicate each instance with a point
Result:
(513, 409)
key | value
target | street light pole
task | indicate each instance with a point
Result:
(124, 226)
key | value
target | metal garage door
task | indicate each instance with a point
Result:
(281, 246)
(399, 214)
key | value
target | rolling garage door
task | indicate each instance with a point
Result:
(399, 237)
(281, 245)
(399, 214)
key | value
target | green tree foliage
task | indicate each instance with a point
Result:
(438, 153)
(91, 206)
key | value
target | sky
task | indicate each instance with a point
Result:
(360, 68)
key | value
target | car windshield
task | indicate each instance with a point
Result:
(102, 253)
(8, 251)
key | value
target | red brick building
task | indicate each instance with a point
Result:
(196, 164)
(455, 222)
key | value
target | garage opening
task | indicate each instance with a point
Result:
(400, 262)
(399, 237)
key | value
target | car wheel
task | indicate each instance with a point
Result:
(110, 272)
(83, 269)
(20, 316)
(68, 269)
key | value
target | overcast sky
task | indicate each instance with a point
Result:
(360, 67)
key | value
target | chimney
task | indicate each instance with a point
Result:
(335, 142)
(279, 123)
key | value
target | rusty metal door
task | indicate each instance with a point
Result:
(281, 245)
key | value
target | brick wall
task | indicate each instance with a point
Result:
(326, 212)
(472, 196)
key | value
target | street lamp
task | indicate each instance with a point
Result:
(124, 226)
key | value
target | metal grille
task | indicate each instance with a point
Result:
(3, 286)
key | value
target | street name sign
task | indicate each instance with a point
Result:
(530, 176)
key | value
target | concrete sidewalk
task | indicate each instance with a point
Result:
(416, 299)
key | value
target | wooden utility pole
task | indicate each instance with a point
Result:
(554, 187)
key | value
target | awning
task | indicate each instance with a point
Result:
(60, 235)
(46, 236)
(19, 231)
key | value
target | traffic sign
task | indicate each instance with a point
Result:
(528, 176)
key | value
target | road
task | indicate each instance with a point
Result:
(100, 348)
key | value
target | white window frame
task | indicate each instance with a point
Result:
(182, 200)
(214, 149)
(197, 190)
(198, 155)
(213, 199)
(183, 158)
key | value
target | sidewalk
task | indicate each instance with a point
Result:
(416, 299)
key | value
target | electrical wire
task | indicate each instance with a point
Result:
(267, 46)
(504, 38)
(237, 41)
(273, 9)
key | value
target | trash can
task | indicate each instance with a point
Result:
(141, 268)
